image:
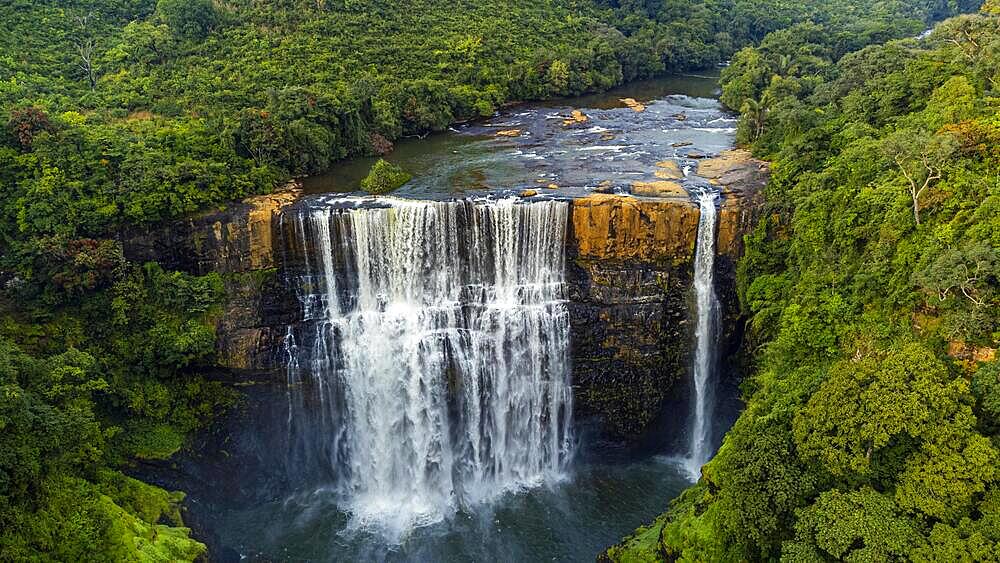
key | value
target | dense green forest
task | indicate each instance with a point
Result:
(119, 113)
(872, 427)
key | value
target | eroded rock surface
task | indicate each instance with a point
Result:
(240, 243)
(633, 104)
(618, 227)
(575, 117)
(630, 284)
(741, 179)
(668, 170)
(659, 188)
(630, 264)
(630, 268)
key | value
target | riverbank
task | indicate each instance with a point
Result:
(628, 277)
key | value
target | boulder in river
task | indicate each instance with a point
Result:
(636, 106)
(668, 170)
(732, 167)
(659, 188)
(576, 116)
(605, 187)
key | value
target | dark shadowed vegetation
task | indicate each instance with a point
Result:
(873, 285)
(123, 113)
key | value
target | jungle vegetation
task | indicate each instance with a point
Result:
(118, 114)
(872, 428)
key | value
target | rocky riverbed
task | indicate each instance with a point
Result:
(630, 243)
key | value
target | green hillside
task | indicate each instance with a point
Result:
(123, 113)
(872, 426)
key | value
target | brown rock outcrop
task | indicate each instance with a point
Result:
(633, 104)
(241, 243)
(741, 178)
(630, 279)
(606, 226)
(576, 116)
(238, 238)
(628, 275)
(659, 188)
(668, 170)
(729, 167)
(260, 227)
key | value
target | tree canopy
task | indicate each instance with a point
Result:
(119, 114)
(870, 430)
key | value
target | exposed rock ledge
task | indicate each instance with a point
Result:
(629, 279)
(240, 243)
(238, 238)
(620, 227)
(741, 179)
(631, 267)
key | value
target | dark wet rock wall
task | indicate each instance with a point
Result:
(629, 272)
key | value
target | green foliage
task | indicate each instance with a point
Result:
(119, 114)
(863, 439)
(189, 103)
(384, 177)
(51, 431)
(904, 386)
(859, 525)
(986, 389)
(192, 19)
(84, 401)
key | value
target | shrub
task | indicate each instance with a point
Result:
(27, 122)
(384, 177)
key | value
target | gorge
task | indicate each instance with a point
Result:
(466, 377)
(329, 280)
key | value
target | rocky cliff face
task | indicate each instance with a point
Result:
(240, 243)
(630, 268)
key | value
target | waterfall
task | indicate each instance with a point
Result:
(701, 447)
(432, 371)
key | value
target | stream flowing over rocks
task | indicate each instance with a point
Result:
(494, 362)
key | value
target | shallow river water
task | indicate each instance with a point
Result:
(614, 147)
(604, 494)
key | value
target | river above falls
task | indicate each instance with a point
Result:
(567, 147)
(602, 492)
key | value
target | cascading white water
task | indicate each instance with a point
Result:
(700, 447)
(436, 372)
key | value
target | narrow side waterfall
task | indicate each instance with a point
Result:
(433, 372)
(701, 447)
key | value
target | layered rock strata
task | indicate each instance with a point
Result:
(629, 276)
